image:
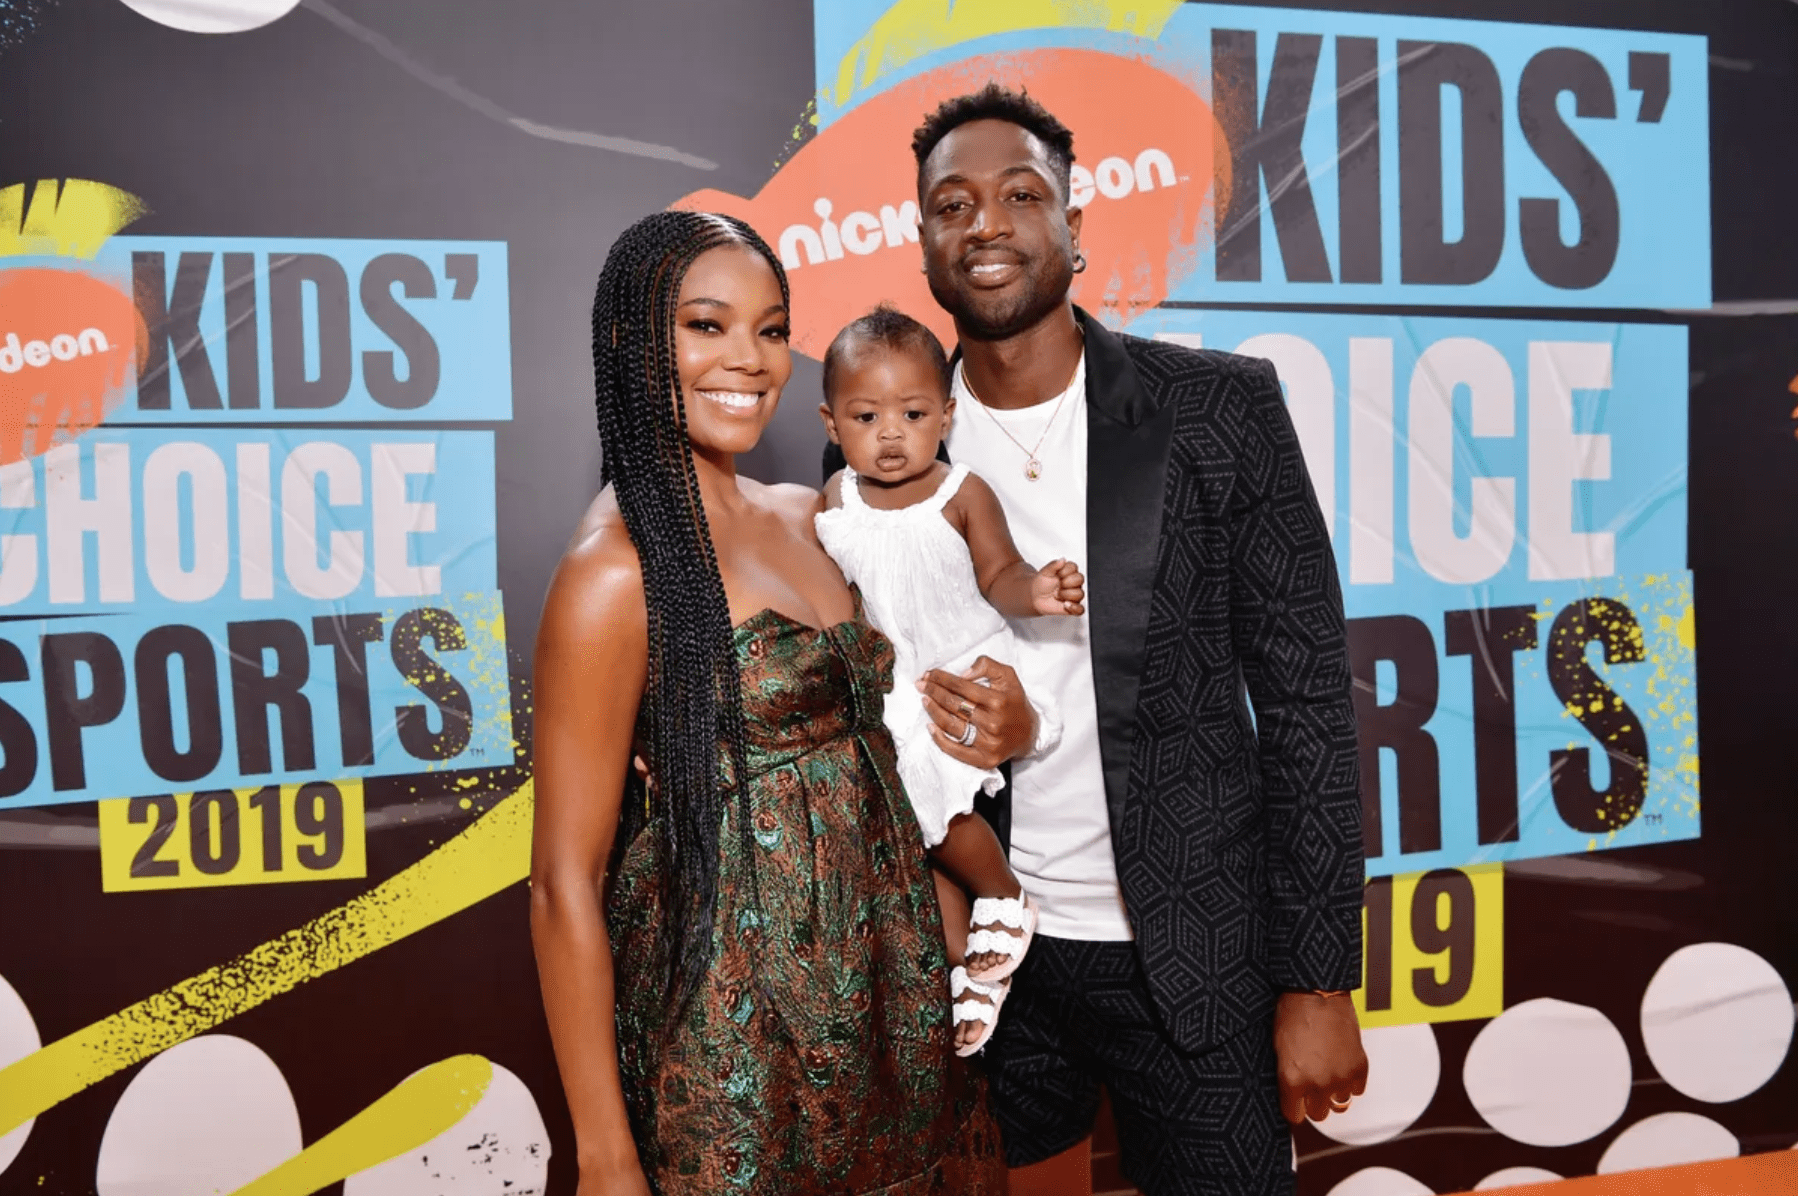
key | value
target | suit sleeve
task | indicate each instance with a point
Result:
(1289, 635)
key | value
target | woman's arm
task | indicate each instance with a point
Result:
(592, 660)
(1007, 580)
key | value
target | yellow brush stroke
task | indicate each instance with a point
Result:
(418, 1109)
(490, 855)
(911, 29)
(74, 223)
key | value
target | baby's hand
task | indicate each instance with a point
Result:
(1058, 589)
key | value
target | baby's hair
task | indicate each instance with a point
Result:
(885, 327)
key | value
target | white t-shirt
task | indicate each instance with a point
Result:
(1060, 830)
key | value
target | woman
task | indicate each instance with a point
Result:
(763, 1006)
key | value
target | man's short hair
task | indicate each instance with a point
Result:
(886, 327)
(994, 102)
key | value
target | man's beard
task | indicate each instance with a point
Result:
(1045, 289)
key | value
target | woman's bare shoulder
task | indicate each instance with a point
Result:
(794, 503)
(598, 584)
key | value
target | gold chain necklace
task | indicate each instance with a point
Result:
(1033, 468)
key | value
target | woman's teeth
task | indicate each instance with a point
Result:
(739, 400)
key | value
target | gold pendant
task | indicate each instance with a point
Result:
(1033, 469)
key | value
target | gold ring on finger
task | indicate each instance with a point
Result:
(966, 708)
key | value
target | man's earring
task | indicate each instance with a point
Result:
(1079, 262)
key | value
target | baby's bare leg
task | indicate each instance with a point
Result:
(971, 855)
(956, 909)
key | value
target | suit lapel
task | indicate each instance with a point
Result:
(1128, 437)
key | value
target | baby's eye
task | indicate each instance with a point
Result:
(914, 416)
(864, 417)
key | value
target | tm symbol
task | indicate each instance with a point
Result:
(1652, 819)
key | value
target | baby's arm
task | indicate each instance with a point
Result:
(1009, 583)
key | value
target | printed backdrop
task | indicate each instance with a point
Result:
(295, 419)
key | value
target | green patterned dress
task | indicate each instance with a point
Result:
(816, 1057)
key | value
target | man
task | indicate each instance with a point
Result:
(1199, 874)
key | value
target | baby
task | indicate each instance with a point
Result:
(930, 551)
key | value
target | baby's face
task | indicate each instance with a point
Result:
(889, 413)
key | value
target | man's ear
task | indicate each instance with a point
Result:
(1074, 218)
(830, 422)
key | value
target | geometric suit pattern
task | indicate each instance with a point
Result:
(1080, 1016)
(1238, 841)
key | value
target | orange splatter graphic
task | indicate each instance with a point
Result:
(67, 343)
(842, 212)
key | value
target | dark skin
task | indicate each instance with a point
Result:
(999, 240)
(889, 410)
(732, 359)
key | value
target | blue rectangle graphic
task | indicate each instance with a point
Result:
(128, 705)
(1374, 158)
(159, 521)
(253, 330)
(1507, 501)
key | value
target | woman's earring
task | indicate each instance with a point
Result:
(1079, 262)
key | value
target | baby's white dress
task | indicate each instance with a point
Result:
(918, 588)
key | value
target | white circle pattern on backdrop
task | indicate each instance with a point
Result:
(500, 1146)
(207, 1115)
(18, 1038)
(1403, 1069)
(1380, 1181)
(1717, 1020)
(1511, 1177)
(213, 16)
(1667, 1140)
(1549, 1073)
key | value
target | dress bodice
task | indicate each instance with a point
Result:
(914, 571)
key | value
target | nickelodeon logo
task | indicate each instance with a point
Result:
(863, 233)
(63, 346)
(830, 215)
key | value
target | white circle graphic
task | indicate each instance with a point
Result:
(1717, 1021)
(207, 1115)
(1548, 1073)
(1667, 1140)
(1511, 1177)
(1403, 1067)
(18, 1038)
(1380, 1181)
(500, 1146)
(213, 16)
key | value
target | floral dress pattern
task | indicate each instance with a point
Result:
(816, 1056)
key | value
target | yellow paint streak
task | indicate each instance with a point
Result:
(910, 29)
(490, 855)
(418, 1109)
(1687, 629)
(74, 223)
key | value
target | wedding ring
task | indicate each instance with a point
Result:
(1340, 1104)
(968, 731)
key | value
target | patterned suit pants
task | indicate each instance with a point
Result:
(1080, 1016)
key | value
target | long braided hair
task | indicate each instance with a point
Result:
(692, 701)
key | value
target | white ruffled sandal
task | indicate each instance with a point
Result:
(964, 1012)
(1018, 916)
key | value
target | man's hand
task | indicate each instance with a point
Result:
(1317, 1043)
(1058, 589)
(987, 697)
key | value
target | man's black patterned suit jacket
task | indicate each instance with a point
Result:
(1238, 840)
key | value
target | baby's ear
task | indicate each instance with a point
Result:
(830, 422)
